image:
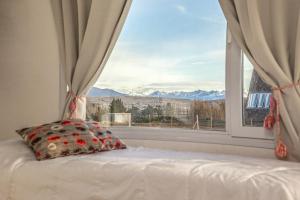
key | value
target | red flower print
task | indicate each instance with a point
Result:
(118, 144)
(53, 138)
(95, 140)
(81, 142)
(31, 136)
(66, 122)
(66, 142)
(102, 140)
(37, 154)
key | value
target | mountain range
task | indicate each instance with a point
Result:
(97, 92)
(194, 95)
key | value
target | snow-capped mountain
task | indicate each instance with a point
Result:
(195, 95)
(97, 92)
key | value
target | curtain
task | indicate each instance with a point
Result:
(268, 32)
(87, 31)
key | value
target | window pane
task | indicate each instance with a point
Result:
(167, 68)
(256, 98)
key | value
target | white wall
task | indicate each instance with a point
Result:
(29, 65)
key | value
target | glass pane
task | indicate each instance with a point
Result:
(256, 99)
(167, 68)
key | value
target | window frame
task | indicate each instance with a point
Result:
(186, 135)
(234, 80)
(235, 133)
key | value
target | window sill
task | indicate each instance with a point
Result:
(186, 135)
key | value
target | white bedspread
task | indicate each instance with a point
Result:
(144, 174)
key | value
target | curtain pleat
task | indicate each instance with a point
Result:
(268, 32)
(87, 31)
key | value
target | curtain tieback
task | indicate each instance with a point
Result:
(273, 118)
(73, 103)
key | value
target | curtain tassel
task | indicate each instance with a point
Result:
(269, 120)
(73, 104)
(281, 150)
(273, 117)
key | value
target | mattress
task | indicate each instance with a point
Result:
(144, 174)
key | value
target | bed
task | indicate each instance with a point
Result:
(144, 174)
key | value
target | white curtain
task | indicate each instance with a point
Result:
(87, 31)
(268, 31)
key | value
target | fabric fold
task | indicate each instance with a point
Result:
(268, 33)
(87, 31)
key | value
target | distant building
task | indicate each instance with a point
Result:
(256, 104)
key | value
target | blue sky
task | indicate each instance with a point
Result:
(169, 45)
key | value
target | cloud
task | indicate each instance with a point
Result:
(138, 72)
(127, 69)
(186, 56)
(135, 70)
(187, 86)
(130, 68)
(181, 8)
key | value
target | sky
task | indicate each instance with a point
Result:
(169, 45)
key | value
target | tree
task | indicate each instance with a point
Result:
(100, 111)
(148, 111)
(209, 110)
(169, 110)
(94, 111)
(117, 106)
(135, 114)
(159, 111)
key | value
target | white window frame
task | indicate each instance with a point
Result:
(234, 89)
(235, 132)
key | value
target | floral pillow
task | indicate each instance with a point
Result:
(107, 139)
(61, 138)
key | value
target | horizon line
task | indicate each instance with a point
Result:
(157, 90)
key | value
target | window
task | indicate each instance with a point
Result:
(256, 96)
(170, 68)
(243, 81)
(167, 69)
